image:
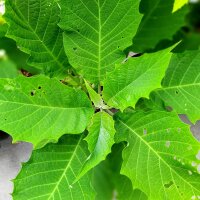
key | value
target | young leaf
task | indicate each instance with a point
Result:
(158, 23)
(33, 25)
(51, 171)
(100, 140)
(181, 84)
(39, 109)
(135, 79)
(8, 69)
(162, 157)
(97, 32)
(95, 97)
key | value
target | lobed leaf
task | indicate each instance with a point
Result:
(51, 171)
(181, 84)
(100, 140)
(33, 25)
(39, 109)
(135, 79)
(96, 32)
(162, 157)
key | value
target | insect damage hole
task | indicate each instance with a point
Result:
(177, 92)
(168, 185)
(32, 93)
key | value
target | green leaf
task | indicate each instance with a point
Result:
(109, 184)
(100, 140)
(33, 25)
(95, 97)
(8, 69)
(135, 79)
(96, 33)
(178, 4)
(39, 109)
(162, 157)
(51, 171)
(181, 84)
(158, 23)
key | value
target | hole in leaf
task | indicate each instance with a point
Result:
(168, 185)
(177, 92)
(39, 87)
(32, 93)
(74, 48)
(118, 47)
(145, 131)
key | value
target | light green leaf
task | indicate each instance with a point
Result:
(95, 97)
(39, 109)
(158, 23)
(33, 25)
(97, 32)
(162, 157)
(51, 171)
(178, 4)
(181, 85)
(135, 79)
(8, 69)
(100, 140)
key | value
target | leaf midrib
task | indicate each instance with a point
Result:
(126, 86)
(67, 167)
(99, 50)
(178, 86)
(42, 106)
(160, 158)
(38, 38)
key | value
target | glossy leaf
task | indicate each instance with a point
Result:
(51, 171)
(33, 25)
(96, 32)
(181, 84)
(162, 157)
(135, 79)
(39, 109)
(100, 140)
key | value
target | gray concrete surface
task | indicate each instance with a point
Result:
(12, 155)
